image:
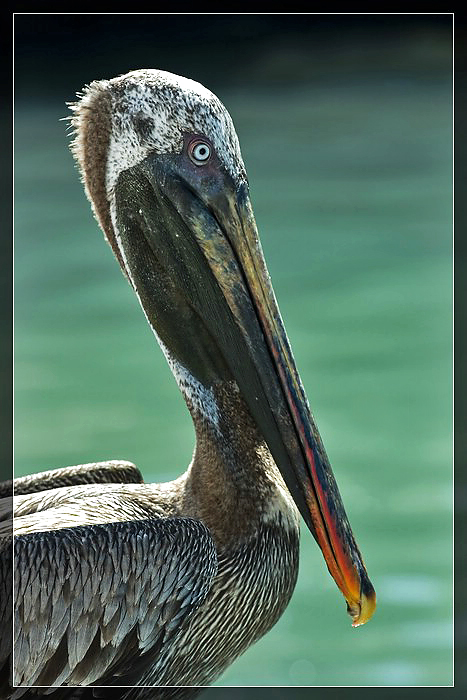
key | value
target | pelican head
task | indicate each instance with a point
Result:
(161, 164)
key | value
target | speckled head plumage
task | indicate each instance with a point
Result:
(119, 122)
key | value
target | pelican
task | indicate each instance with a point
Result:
(118, 582)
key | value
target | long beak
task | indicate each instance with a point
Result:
(252, 340)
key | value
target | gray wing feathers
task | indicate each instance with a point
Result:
(92, 602)
(110, 472)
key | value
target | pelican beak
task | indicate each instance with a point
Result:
(307, 472)
(219, 269)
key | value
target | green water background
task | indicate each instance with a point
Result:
(350, 174)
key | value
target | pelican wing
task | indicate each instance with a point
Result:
(110, 472)
(95, 603)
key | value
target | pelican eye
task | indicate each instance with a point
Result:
(199, 152)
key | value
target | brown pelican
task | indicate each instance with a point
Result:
(122, 583)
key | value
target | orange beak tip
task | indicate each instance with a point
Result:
(362, 611)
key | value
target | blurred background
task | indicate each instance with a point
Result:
(345, 124)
